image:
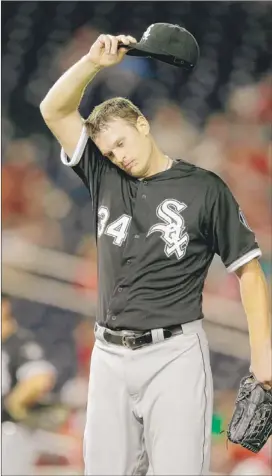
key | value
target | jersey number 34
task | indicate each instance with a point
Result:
(118, 229)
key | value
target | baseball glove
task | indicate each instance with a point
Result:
(251, 423)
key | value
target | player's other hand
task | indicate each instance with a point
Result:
(105, 52)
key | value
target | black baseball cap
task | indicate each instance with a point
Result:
(169, 43)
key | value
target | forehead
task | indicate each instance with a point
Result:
(114, 130)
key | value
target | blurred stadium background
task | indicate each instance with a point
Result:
(219, 117)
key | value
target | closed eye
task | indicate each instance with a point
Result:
(110, 155)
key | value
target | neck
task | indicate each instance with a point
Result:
(159, 162)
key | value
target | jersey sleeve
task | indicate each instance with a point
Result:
(32, 360)
(229, 233)
(87, 162)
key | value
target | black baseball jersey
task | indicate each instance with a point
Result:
(156, 239)
(22, 357)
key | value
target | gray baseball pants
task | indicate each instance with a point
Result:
(150, 409)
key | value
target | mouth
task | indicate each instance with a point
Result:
(130, 165)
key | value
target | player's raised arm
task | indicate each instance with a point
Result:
(59, 107)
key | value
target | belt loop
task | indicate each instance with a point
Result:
(99, 332)
(157, 335)
(192, 327)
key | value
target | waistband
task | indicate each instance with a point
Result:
(136, 339)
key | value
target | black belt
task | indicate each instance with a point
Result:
(136, 340)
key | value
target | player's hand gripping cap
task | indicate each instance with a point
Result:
(168, 43)
(251, 423)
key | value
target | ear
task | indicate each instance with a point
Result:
(143, 125)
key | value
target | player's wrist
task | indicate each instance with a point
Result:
(92, 63)
(261, 350)
(261, 365)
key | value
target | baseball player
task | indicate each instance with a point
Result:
(26, 378)
(159, 222)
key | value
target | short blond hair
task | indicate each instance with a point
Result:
(111, 109)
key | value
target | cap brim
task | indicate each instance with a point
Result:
(141, 51)
(137, 50)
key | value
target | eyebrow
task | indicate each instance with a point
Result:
(114, 144)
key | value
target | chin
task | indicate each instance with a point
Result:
(137, 174)
(135, 171)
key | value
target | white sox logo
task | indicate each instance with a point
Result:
(173, 230)
(147, 33)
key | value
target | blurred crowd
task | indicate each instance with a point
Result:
(218, 118)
